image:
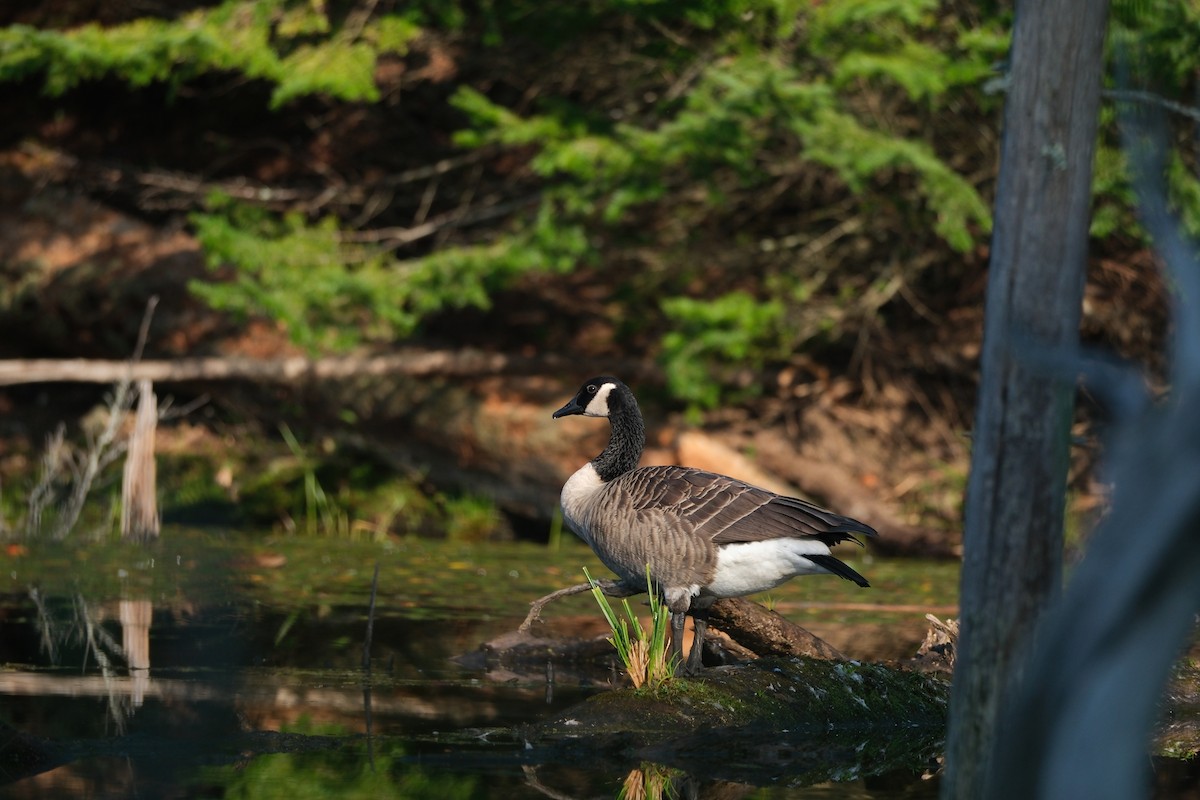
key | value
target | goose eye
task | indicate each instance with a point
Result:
(591, 389)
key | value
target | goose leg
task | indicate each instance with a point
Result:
(700, 626)
(677, 620)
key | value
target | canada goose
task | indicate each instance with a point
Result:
(704, 536)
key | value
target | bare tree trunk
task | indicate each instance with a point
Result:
(1079, 721)
(1015, 498)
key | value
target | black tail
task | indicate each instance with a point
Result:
(838, 568)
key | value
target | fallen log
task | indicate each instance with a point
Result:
(754, 630)
(411, 362)
(766, 633)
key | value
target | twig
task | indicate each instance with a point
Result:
(168, 411)
(366, 665)
(47, 628)
(357, 20)
(39, 497)
(366, 657)
(195, 188)
(96, 640)
(532, 780)
(144, 329)
(1151, 99)
(460, 218)
(612, 588)
(99, 454)
(105, 448)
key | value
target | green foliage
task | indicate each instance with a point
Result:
(643, 654)
(470, 518)
(872, 40)
(1113, 208)
(346, 772)
(765, 106)
(326, 293)
(289, 43)
(1162, 40)
(735, 114)
(672, 129)
(333, 293)
(321, 513)
(711, 338)
(750, 90)
(1156, 45)
(322, 491)
(1184, 191)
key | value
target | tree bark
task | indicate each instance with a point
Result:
(1015, 497)
(766, 633)
(1078, 723)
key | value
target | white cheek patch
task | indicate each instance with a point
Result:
(598, 405)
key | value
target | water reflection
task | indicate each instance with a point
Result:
(180, 682)
(228, 699)
(135, 641)
(124, 668)
(653, 782)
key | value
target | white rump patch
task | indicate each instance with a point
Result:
(598, 405)
(750, 567)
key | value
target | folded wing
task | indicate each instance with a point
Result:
(728, 511)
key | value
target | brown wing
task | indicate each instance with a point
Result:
(726, 511)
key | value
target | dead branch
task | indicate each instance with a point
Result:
(1152, 99)
(459, 218)
(180, 190)
(611, 588)
(53, 456)
(102, 450)
(413, 363)
(139, 501)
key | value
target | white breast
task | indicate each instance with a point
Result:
(577, 495)
(752, 567)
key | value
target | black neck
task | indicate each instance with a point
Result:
(627, 439)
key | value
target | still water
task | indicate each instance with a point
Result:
(210, 665)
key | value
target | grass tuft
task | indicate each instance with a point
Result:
(643, 654)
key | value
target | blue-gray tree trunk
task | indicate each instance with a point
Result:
(1015, 497)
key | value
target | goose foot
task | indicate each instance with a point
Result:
(695, 661)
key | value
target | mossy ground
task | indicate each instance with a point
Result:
(829, 720)
(796, 694)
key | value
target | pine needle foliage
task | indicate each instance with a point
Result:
(332, 294)
(1157, 46)
(294, 45)
(710, 153)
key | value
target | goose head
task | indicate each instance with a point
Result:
(596, 398)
